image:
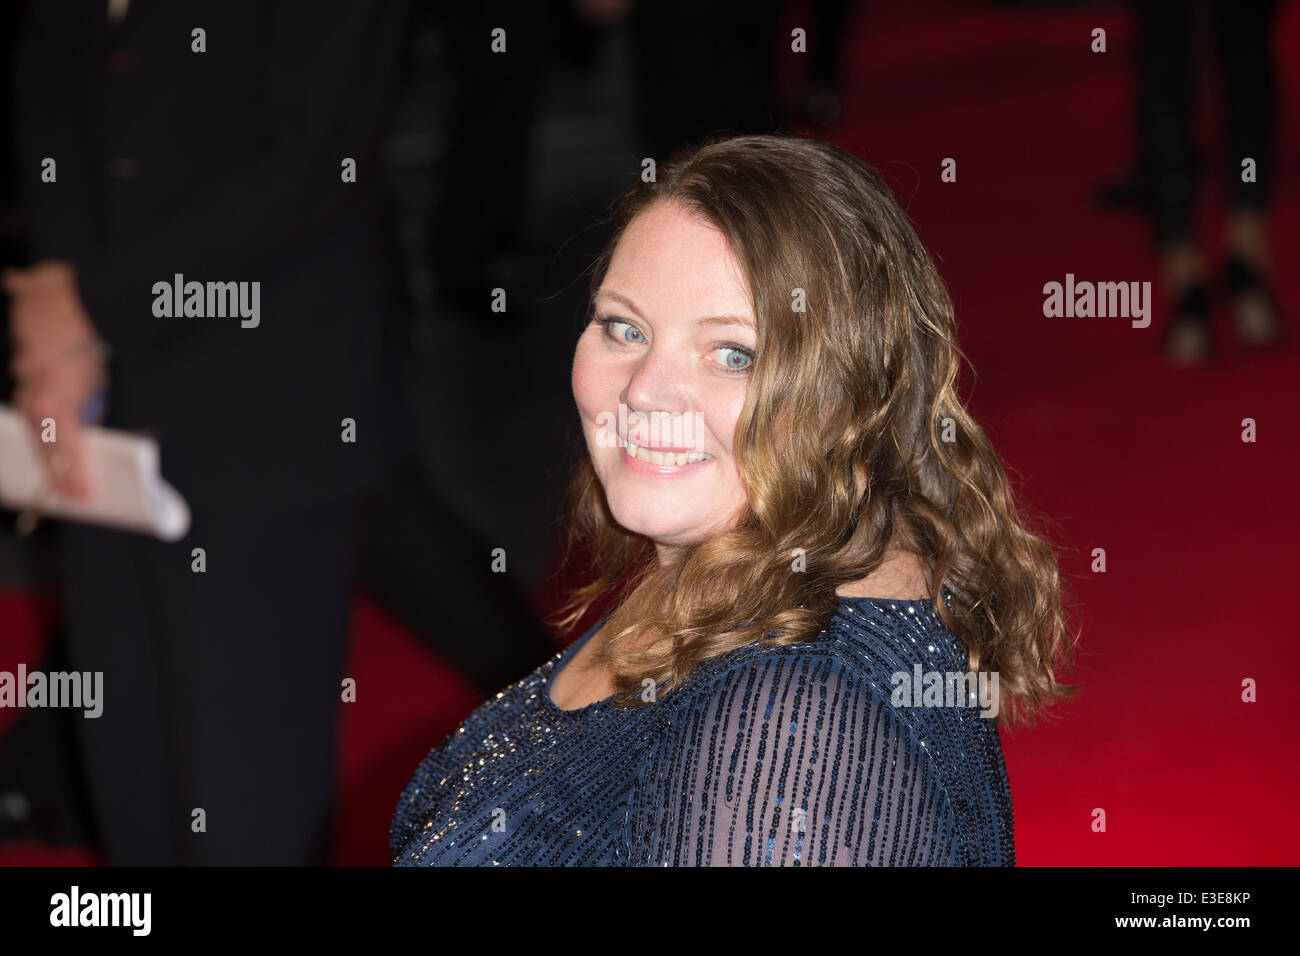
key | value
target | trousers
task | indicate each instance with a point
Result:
(221, 682)
(1167, 94)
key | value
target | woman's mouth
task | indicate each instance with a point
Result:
(659, 457)
(663, 462)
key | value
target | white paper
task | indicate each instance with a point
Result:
(126, 489)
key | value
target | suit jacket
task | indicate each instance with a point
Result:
(219, 156)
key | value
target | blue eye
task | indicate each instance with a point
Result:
(736, 358)
(626, 335)
(739, 359)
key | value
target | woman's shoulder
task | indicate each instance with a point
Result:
(882, 635)
(866, 642)
(848, 675)
(830, 702)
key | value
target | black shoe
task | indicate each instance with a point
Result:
(1187, 339)
(1255, 315)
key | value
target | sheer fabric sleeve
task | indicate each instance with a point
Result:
(790, 760)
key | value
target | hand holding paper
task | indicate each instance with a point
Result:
(125, 489)
(58, 365)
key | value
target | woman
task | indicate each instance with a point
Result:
(806, 523)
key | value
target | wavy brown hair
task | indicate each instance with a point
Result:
(852, 441)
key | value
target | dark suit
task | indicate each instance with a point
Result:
(222, 688)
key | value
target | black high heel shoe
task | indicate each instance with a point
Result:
(1256, 318)
(1187, 339)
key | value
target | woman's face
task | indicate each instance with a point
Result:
(663, 369)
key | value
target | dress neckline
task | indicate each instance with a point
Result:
(562, 659)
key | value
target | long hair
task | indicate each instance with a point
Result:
(852, 441)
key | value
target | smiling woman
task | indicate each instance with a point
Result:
(836, 518)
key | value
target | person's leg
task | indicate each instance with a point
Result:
(414, 565)
(43, 792)
(830, 27)
(1187, 336)
(702, 71)
(109, 628)
(486, 173)
(1166, 98)
(1250, 98)
(1166, 103)
(260, 638)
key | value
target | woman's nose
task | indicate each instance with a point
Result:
(659, 383)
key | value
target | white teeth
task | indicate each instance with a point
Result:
(678, 459)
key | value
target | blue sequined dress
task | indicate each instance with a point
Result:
(784, 756)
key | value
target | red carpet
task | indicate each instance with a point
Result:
(1119, 451)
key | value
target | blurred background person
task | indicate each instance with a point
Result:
(213, 142)
(1175, 43)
